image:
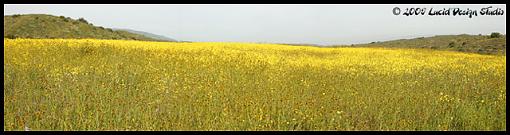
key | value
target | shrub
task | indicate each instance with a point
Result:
(495, 35)
(83, 20)
(64, 18)
(10, 36)
(451, 44)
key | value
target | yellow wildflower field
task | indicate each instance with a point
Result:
(89, 84)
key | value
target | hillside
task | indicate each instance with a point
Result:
(482, 44)
(147, 34)
(49, 26)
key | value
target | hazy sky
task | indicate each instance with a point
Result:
(315, 24)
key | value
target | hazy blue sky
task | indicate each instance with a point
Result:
(316, 24)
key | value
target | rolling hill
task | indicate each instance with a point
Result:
(147, 34)
(49, 26)
(482, 44)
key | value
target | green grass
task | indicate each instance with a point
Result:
(482, 44)
(49, 26)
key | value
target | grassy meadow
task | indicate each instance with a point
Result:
(88, 84)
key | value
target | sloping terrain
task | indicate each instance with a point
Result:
(49, 26)
(482, 44)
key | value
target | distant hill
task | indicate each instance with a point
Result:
(147, 34)
(49, 26)
(482, 44)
